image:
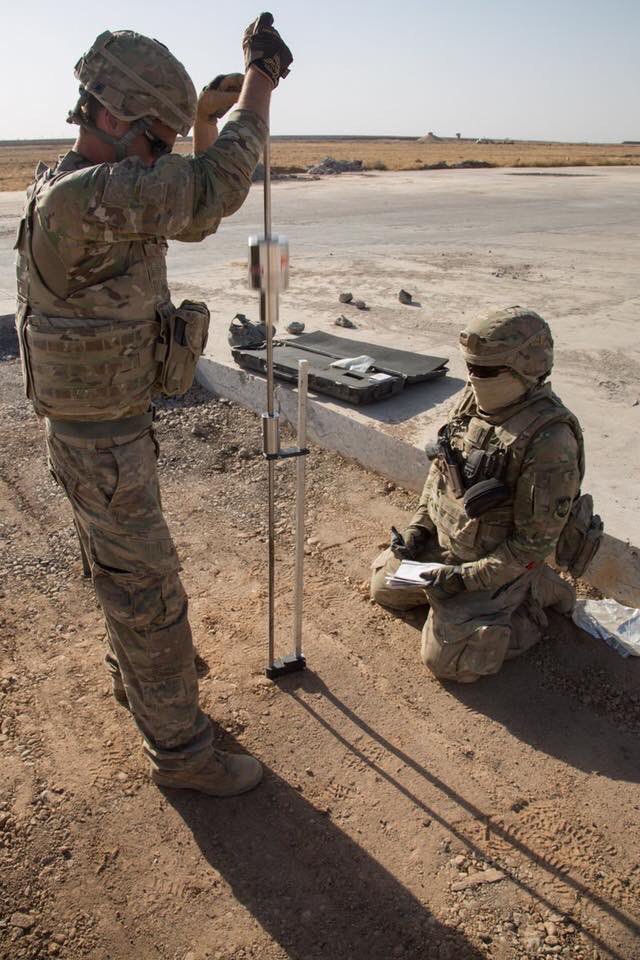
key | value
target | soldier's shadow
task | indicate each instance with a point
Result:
(315, 891)
(570, 697)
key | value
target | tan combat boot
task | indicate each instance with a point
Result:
(220, 775)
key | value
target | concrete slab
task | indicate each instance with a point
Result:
(564, 242)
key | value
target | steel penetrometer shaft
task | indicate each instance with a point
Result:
(269, 273)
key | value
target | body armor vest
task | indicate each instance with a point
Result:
(86, 353)
(485, 451)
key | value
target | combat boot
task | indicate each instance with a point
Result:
(220, 774)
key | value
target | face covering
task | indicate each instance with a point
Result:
(494, 393)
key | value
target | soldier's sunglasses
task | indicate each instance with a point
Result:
(485, 373)
(158, 146)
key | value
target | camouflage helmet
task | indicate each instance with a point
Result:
(517, 338)
(136, 78)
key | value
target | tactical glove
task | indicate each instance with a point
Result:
(446, 583)
(409, 544)
(219, 96)
(265, 49)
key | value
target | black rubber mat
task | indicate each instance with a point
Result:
(414, 367)
(320, 350)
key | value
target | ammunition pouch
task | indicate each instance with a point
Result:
(580, 538)
(184, 332)
(484, 496)
(484, 465)
(84, 368)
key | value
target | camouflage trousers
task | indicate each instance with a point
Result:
(471, 634)
(112, 485)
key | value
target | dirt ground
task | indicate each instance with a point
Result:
(389, 801)
(18, 161)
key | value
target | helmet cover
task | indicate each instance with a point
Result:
(134, 76)
(517, 338)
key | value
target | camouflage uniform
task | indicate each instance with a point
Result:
(505, 584)
(92, 294)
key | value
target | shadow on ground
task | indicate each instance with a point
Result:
(570, 697)
(313, 889)
(555, 873)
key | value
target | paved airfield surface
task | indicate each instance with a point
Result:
(564, 242)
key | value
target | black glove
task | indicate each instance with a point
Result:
(408, 545)
(265, 49)
(444, 584)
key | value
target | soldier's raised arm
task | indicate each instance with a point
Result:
(140, 189)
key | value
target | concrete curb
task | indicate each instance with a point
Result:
(615, 570)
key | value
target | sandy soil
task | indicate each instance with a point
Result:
(17, 162)
(389, 799)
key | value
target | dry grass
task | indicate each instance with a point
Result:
(17, 163)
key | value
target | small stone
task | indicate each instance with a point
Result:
(53, 948)
(405, 297)
(360, 304)
(345, 297)
(531, 939)
(295, 327)
(309, 772)
(343, 321)
(22, 920)
(457, 861)
(121, 776)
(475, 879)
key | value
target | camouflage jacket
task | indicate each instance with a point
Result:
(537, 450)
(99, 231)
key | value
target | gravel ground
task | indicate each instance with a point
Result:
(398, 818)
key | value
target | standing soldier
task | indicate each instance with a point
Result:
(99, 336)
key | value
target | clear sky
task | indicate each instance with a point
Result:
(540, 69)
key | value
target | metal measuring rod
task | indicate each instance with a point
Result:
(269, 273)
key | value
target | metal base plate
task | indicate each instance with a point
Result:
(289, 664)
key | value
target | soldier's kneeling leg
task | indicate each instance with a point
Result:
(467, 637)
(385, 565)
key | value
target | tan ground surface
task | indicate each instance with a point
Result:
(385, 792)
(17, 163)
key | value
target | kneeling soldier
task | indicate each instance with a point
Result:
(503, 484)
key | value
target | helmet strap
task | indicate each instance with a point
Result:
(79, 115)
